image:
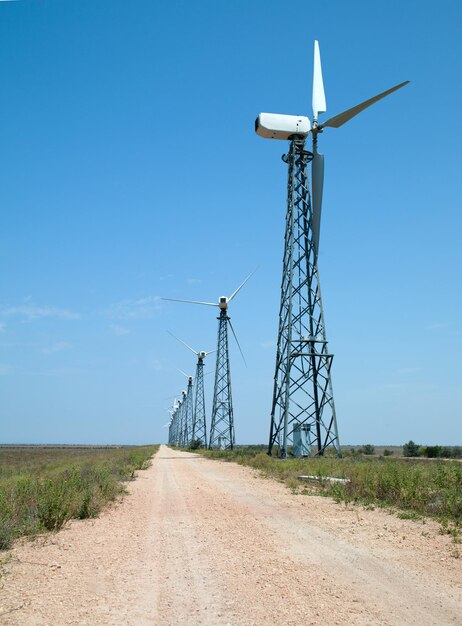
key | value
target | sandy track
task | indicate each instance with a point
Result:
(203, 542)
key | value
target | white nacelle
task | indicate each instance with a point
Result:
(277, 126)
(223, 302)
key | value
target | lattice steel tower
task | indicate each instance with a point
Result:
(199, 423)
(222, 423)
(175, 429)
(188, 413)
(181, 420)
(303, 418)
(303, 410)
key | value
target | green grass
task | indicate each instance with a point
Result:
(42, 488)
(413, 486)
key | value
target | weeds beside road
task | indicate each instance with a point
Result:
(416, 487)
(41, 488)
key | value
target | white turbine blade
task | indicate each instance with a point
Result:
(237, 341)
(183, 342)
(191, 301)
(181, 372)
(342, 118)
(319, 97)
(317, 176)
(240, 286)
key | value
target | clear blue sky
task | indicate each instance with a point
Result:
(129, 170)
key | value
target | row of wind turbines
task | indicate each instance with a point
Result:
(303, 417)
(188, 416)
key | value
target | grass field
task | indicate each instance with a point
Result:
(43, 487)
(415, 486)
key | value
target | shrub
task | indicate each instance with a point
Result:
(411, 449)
(432, 452)
(368, 449)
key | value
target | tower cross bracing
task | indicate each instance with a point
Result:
(303, 410)
(222, 422)
(199, 432)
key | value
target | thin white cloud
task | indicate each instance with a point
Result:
(143, 308)
(58, 346)
(266, 345)
(119, 331)
(436, 326)
(32, 312)
(6, 369)
(194, 281)
(2, 327)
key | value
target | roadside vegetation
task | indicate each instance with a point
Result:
(409, 449)
(415, 486)
(41, 488)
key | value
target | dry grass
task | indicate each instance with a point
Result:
(42, 488)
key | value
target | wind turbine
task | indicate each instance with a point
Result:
(169, 425)
(176, 423)
(182, 421)
(170, 412)
(188, 411)
(172, 436)
(199, 425)
(303, 410)
(222, 424)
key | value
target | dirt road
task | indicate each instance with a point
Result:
(209, 543)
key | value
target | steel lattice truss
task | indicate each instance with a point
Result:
(173, 429)
(188, 415)
(175, 425)
(199, 429)
(222, 424)
(182, 421)
(302, 398)
(182, 425)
